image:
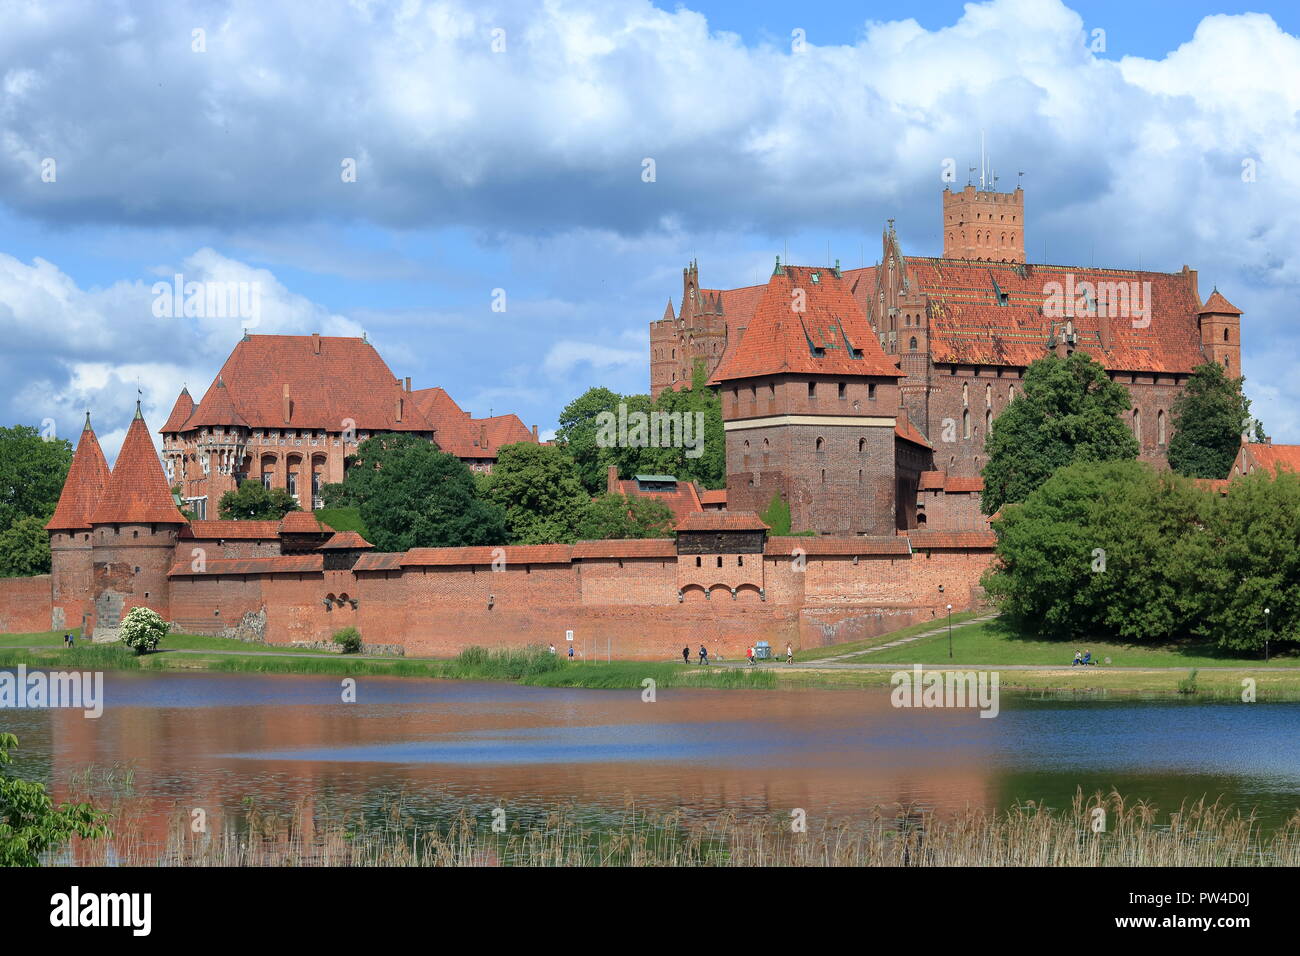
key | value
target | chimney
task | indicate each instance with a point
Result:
(288, 405)
(400, 400)
(482, 436)
(315, 343)
(1103, 326)
(534, 433)
(611, 480)
(408, 383)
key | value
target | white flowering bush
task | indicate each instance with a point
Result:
(143, 629)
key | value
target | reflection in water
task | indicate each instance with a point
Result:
(210, 740)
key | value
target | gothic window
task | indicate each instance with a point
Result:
(965, 423)
(1225, 335)
(965, 395)
(862, 445)
(820, 442)
(1137, 424)
(1160, 426)
(840, 389)
(871, 391)
(812, 389)
(911, 345)
(1011, 393)
(988, 421)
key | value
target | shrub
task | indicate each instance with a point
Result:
(143, 629)
(30, 823)
(350, 640)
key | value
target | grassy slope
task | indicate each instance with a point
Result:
(835, 650)
(342, 519)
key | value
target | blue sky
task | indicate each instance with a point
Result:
(520, 169)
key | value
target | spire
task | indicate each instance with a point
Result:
(137, 491)
(181, 413)
(85, 484)
(1216, 304)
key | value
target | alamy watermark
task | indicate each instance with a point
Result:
(651, 430)
(960, 689)
(208, 300)
(1125, 300)
(79, 690)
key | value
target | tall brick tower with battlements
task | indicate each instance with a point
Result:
(809, 402)
(984, 225)
(71, 551)
(135, 528)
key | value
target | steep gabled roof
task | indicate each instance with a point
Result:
(345, 540)
(87, 478)
(137, 491)
(181, 412)
(330, 380)
(1216, 304)
(1270, 457)
(830, 335)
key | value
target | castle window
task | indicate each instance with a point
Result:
(1160, 426)
(1225, 335)
(740, 561)
(911, 344)
(1137, 424)
(823, 476)
(859, 476)
(812, 389)
(820, 442)
(965, 423)
(840, 389)
(871, 391)
(719, 560)
(965, 394)
(862, 445)
(698, 561)
(988, 421)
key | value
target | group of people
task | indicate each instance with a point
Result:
(1083, 659)
(749, 654)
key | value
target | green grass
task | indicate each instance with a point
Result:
(343, 519)
(834, 650)
(993, 642)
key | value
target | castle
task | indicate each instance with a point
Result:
(817, 366)
(862, 398)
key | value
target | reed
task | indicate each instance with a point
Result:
(1096, 830)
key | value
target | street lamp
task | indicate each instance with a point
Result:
(1267, 631)
(949, 632)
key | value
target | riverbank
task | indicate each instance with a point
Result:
(1025, 666)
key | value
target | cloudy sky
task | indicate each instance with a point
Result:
(502, 146)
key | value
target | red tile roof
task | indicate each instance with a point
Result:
(949, 484)
(303, 522)
(685, 500)
(231, 530)
(905, 430)
(714, 497)
(382, 561)
(952, 539)
(825, 544)
(626, 548)
(181, 412)
(279, 564)
(87, 478)
(721, 521)
(345, 540)
(1216, 304)
(931, 481)
(513, 554)
(1270, 457)
(137, 491)
(831, 336)
(345, 379)
(969, 324)
(456, 433)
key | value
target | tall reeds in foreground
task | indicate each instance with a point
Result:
(1100, 830)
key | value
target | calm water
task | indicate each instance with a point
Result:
(209, 740)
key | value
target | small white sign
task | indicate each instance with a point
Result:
(568, 635)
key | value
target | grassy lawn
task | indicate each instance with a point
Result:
(835, 650)
(993, 643)
(194, 642)
(343, 519)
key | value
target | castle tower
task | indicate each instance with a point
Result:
(1220, 323)
(71, 571)
(134, 532)
(985, 225)
(809, 404)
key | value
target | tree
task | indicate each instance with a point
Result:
(577, 434)
(253, 501)
(537, 488)
(25, 548)
(32, 472)
(1068, 412)
(410, 495)
(1102, 549)
(1209, 418)
(30, 823)
(143, 629)
(625, 516)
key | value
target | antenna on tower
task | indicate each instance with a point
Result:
(983, 164)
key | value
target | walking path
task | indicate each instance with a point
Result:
(904, 640)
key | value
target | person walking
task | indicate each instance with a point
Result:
(552, 650)
(789, 653)
(570, 652)
(704, 654)
(686, 654)
(749, 653)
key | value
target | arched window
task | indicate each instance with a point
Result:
(1225, 335)
(1160, 426)
(820, 443)
(965, 423)
(988, 396)
(988, 421)
(911, 345)
(862, 445)
(1011, 393)
(1137, 424)
(965, 395)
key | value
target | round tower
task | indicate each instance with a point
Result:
(134, 533)
(71, 551)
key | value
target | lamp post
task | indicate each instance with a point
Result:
(949, 632)
(1267, 630)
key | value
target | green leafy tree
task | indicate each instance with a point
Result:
(32, 471)
(143, 629)
(1068, 412)
(577, 434)
(410, 495)
(349, 638)
(31, 824)
(1209, 418)
(253, 501)
(537, 488)
(1102, 549)
(625, 516)
(25, 548)
(704, 459)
